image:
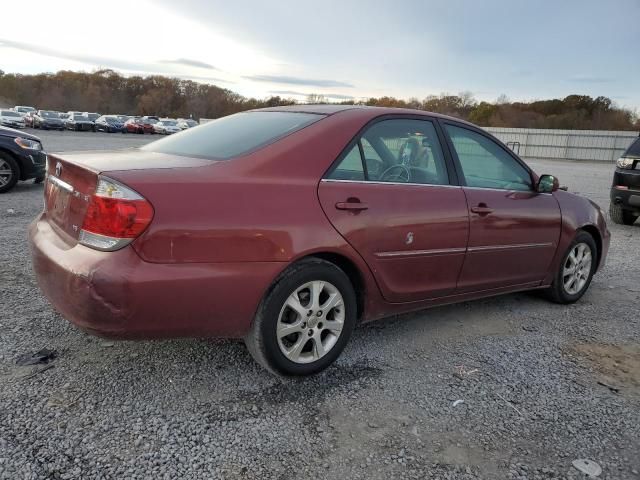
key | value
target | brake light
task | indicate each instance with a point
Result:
(115, 217)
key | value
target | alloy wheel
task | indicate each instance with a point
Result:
(310, 322)
(577, 268)
(6, 173)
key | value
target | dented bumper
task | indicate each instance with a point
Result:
(118, 295)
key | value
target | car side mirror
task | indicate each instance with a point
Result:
(547, 184)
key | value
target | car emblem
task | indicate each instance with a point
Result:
(409, 239)
(58, 169)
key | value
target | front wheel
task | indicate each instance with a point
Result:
(9, 172)
(576, 270)
(621, 216)
(305, 320)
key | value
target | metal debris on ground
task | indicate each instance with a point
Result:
(457, 402)
(588, 467)
(40, 357)
(610, 387)
(462, 372)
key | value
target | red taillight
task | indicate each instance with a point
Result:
(115, 216)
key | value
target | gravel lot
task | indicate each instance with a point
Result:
(528, 373)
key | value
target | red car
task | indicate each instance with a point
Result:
(138, 125)
(288, 226)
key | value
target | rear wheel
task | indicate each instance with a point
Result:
(576, 270)
(305, 320)
(621, 216)
(9, 172)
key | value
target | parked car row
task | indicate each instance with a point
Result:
(22, 116)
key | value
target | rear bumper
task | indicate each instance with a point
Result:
(52, 126)
(627, 198)
(32, 163)
(118, 295)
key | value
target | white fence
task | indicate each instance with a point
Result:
(577, 145)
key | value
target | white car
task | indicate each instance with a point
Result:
(166, 127)
(22, 110)
(185, 123)
(9, 118)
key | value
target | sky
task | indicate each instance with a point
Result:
(524, 49)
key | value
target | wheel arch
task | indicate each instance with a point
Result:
(351, 270)
(15, 158)
(595, 234)
(341, 261)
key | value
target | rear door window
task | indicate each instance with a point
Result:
(397, 151)
(234, 135)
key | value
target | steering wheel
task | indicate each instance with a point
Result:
(402, 175)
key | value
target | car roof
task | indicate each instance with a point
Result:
(374, 111)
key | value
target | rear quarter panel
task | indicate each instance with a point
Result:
(262, 207)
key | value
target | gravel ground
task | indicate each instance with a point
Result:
(526, 370)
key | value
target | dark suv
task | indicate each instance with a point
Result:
(625, 191)
(21, 158)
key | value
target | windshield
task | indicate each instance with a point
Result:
(9, 113)
(233, 135)
(112, 119)
(49, 114)
(25, 109)
(80, 118)
(169, 123)
(191, 123)
(634, 149)
(93, 116)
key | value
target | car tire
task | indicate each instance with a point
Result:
(621, 216)
(39, 179)
(575, 273)
(8, 181)
(317, 338)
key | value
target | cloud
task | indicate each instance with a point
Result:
(287, 92)
(298, 81)
(335, 96)
(190, 63)
(104, 62)
(50, 52)
(590, 79)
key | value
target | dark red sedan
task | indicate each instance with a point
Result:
(138, 125)
(288, 226)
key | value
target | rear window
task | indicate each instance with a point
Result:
(233, 135)
(634, 149)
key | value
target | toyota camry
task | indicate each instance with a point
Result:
(288, 226)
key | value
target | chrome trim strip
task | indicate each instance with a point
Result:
(508, 247)
(371, 182)
(62, 184)
(508, 190)
(416, 253)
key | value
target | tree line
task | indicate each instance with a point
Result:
(107, 91)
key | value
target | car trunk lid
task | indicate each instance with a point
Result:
(72, 179)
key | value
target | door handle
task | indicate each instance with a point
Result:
(354, 206)
(482, 209)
